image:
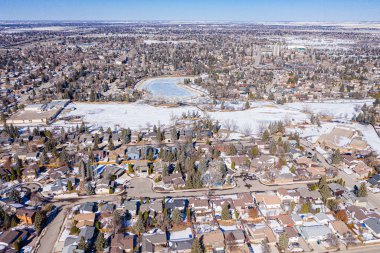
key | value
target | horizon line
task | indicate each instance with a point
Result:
(184, 20)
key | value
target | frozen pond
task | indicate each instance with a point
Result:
(167, 88)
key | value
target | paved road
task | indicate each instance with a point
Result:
(351, 181)
(365, 249)
(142, 187)
(51, 236)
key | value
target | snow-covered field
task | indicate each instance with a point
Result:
(38, 29)
(342, 109)
(259, 115)
(312, 133)
(139, 115)
(133, 115)
(149, 42)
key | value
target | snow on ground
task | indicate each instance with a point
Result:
(255, 117)
(337, 108)
(256, 248)
(150, 42)
(138, 115)
(370, 135)
(312, 133)
(132, 115)
(181, 235)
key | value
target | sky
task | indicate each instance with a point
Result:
(192, 10)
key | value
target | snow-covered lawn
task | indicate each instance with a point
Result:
(139, 115)
(133, 115)
(312, 133)
(337, 109)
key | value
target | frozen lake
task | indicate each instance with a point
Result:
(167, 88)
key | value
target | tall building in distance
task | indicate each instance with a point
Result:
(276, 50)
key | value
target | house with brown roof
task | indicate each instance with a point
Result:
(270, 201)
(316, 172)
(234, 238)
(286, 220)
(31, 171)
(10, 236)
(362, 169)
(26, 216)
(213, 241)
(339, 228)
(84, 219)
(305, 162)
(286, 195)
(259, 232)
(121, 243)
(174, 180)
(243, 202)
(199, 205)
(292, 234)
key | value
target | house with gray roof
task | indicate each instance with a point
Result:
(373, 224)
(315, 233)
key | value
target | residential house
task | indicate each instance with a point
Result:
(243, 202)
(84, 219)
(339, 228)
(181, 241)
(121, 243)
(26, 216)
(155, 242)
(87, 207)
(234, 238)
(10, 236)
(213, 241)
(199, 205)
(373, 225)
(315, 233)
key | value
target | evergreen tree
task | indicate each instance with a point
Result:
(362, 192)
(139, 225)
(283, 242)
(90, 189)
(265, 135)
(100, 242)
(15, 196)
(82, 244)
(305, 208)
(96, 142)
(336, 158)
(247, 106)
(39, 221)
(165, 171)
(177, 216)
(111, 146)
(226, 215)
(197, 247)
(14, 221)
(325, 192)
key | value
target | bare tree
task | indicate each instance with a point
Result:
(230, 125)
(265, 246)
(332, 240)
(306, 109)
(261, 129)
(349, 239)
(246, 129)
(357, 108)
